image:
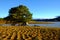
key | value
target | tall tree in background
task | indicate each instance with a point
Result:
(19, 14)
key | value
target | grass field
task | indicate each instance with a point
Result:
(29, 33)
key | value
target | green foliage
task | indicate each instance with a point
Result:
(19, 14)
(1, 18)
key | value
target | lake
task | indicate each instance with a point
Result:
(54, 24)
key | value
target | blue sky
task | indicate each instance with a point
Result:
(39, 8)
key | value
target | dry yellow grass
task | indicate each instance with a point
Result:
(29, 33)
(2, 21)
(37, 22)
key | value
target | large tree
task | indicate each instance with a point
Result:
(19, 14)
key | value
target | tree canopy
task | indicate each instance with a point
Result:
(19, 14)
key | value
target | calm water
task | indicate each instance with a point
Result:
(55, 24)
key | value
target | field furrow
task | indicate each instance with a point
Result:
(29, 33)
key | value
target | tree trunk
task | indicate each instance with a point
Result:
(25, 23)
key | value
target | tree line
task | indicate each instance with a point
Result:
(54, 19)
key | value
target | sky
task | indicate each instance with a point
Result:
(41, 9)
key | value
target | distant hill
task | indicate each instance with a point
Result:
(54, 19)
